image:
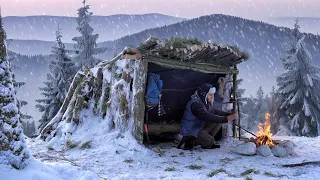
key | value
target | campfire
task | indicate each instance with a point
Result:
(262, 143)
(264, 135)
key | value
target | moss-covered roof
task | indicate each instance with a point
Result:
(192, 51)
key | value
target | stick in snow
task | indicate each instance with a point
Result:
(302, 164)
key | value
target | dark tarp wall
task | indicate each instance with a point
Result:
(178, 86)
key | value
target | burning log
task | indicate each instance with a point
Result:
(265, 139)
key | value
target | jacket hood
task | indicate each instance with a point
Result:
(203, 90)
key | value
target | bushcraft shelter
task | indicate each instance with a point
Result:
(122, 91)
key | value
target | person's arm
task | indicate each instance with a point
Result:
(220, 113)
(202, 113)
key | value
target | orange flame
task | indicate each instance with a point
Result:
(264, 134)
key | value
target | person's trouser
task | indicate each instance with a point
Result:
(206, 135)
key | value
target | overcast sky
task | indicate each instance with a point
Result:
(252, 9)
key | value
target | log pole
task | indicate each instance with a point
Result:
(234, 101)
(239, 118)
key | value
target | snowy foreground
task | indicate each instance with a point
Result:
(115, 156)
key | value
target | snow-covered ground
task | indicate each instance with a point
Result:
(115, 156)
(37, 170)
(110, 154)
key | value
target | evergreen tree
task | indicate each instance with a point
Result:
(28, 128)
(58, 81)
(291, 47)
(254, 110)
(261, 106)
(12, 145)
(241, 101)
(249, 110)
(298, 91)
(240, 92)
(272, 107)
(86, 43)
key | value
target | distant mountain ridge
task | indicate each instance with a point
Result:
(308, 24)
(33, 47)
(108, 27)
(264, 42)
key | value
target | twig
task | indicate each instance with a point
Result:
(302, 164)
(246, 130)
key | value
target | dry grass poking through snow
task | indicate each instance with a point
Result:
(195, 167)
(215, 172)
(170, 169)
(86, 145)
(70, 144)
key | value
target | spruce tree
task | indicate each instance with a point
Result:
(248, 109)
(12, 146)
(28, 127)
(240, 92)
(298, 91)
(272, 107)
(58, 81)
(291, 46)
(261, 106)
(241, 101)
(86, 46)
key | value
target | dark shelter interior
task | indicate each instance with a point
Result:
(178, 87)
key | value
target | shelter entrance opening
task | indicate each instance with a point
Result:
(176, 86)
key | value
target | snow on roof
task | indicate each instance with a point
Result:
(193, 50)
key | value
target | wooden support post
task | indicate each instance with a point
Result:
(239, 118)
(234, 101)
(139, 84)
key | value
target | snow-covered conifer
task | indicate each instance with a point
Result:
(12, 145)
(86, 46)
(298, 91)
(58, 81)
(28, 125)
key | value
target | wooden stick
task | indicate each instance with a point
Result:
(245, 130)
(234, 103)
(302, 164)
(238, 107)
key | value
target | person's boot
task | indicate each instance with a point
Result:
(188, 145)
(215, 146)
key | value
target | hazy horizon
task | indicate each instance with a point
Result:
(277, 17)
(251, 9)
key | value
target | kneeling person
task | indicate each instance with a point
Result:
(201, 120)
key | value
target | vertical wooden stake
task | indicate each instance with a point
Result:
(239, 118)
(234, 101)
